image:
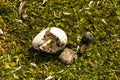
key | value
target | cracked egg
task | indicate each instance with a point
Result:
(50, 40)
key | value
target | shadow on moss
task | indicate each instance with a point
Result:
(41, 57)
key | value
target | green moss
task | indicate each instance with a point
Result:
(101, 18)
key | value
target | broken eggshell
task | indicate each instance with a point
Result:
(50, 40)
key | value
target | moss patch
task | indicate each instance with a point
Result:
(20, 61)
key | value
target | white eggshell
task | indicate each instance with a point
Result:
(40, 43)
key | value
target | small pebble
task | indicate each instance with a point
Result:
(68, 56)
(88, 36)
(86, 39)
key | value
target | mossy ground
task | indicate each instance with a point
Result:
(17, 57)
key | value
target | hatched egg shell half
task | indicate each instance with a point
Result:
(50, 40)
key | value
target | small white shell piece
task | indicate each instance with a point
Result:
(50, 40)
(1, 32)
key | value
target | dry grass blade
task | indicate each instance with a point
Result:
(44, 1)
(21, 8)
